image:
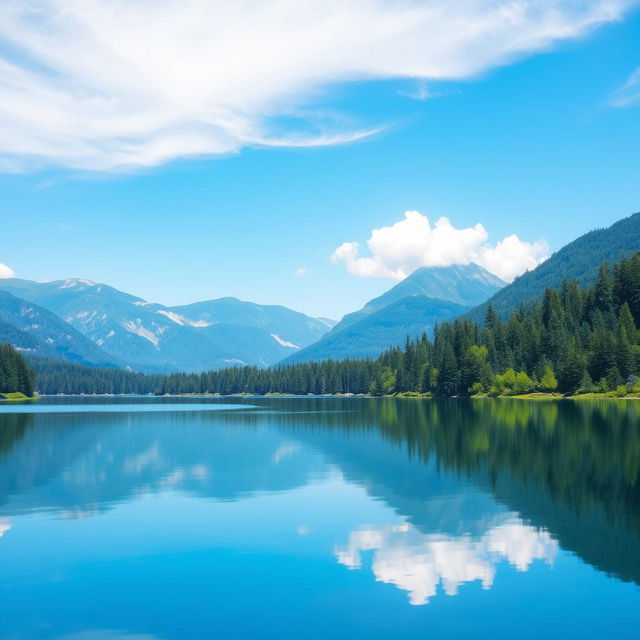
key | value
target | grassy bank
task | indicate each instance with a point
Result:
(17, 397)
(537, 395)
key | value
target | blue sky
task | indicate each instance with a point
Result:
(541, 143)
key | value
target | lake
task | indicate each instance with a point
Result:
(156, 519)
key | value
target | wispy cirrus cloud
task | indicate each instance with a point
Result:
(401, 248)
(629, 93)
(107, 84)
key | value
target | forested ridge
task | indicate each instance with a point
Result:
(574, 339)
(15, 375)
(579, 260)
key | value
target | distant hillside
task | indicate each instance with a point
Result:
(284, 327)
(413, 306)
(37, 331)
(578, 260)
(25, 342)
(154, 338)
(410, 316)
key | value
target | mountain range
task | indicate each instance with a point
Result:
(97, 325)
(125, 330)
(38, 331)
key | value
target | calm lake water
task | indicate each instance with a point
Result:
(157, 519)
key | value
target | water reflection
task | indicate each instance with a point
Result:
(571, 468)
(466, 485)
(85, 464)
(108, 634)
(419, 563)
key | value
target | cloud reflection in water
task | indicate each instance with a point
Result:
(417, 563)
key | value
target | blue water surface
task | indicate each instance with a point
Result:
(149, 519)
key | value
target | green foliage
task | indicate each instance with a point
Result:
(15, 375)
(16, 396)
(476, 372)
(523, 384)
(548, 382)
(621, 391)
(387, 380)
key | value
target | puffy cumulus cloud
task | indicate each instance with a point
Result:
(6, 272)
(629, 93)
(398, 250)
(512, 256)
(105, 84)
(419, 563)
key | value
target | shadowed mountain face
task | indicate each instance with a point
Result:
(154, 338)
(37, 331)
(450, 467)
(375, 332)
(579, 260)
(26, 342)
(410, 308)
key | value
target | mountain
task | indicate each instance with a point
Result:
(579, 260)
(413, 306)
(37, 331)
(25, 342)
(409, 316)
(123, 325)
(287, 328)
(155, 338)
(463, 285)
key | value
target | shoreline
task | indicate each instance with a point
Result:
(539, 396)
(17, 397)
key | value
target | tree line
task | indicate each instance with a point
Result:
(59, 376)
(575, 339)
(15, 375)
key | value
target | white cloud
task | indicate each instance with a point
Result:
(400, 249)
(6, 272)
(108, 84)
(419, 563)
(629, 93)
(512, 256)
(301, 272)
(5, 526)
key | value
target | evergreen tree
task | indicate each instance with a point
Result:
(15, 375)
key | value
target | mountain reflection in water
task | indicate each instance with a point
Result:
(425, 495)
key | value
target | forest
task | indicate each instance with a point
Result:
(575, 339)
(16, 377)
